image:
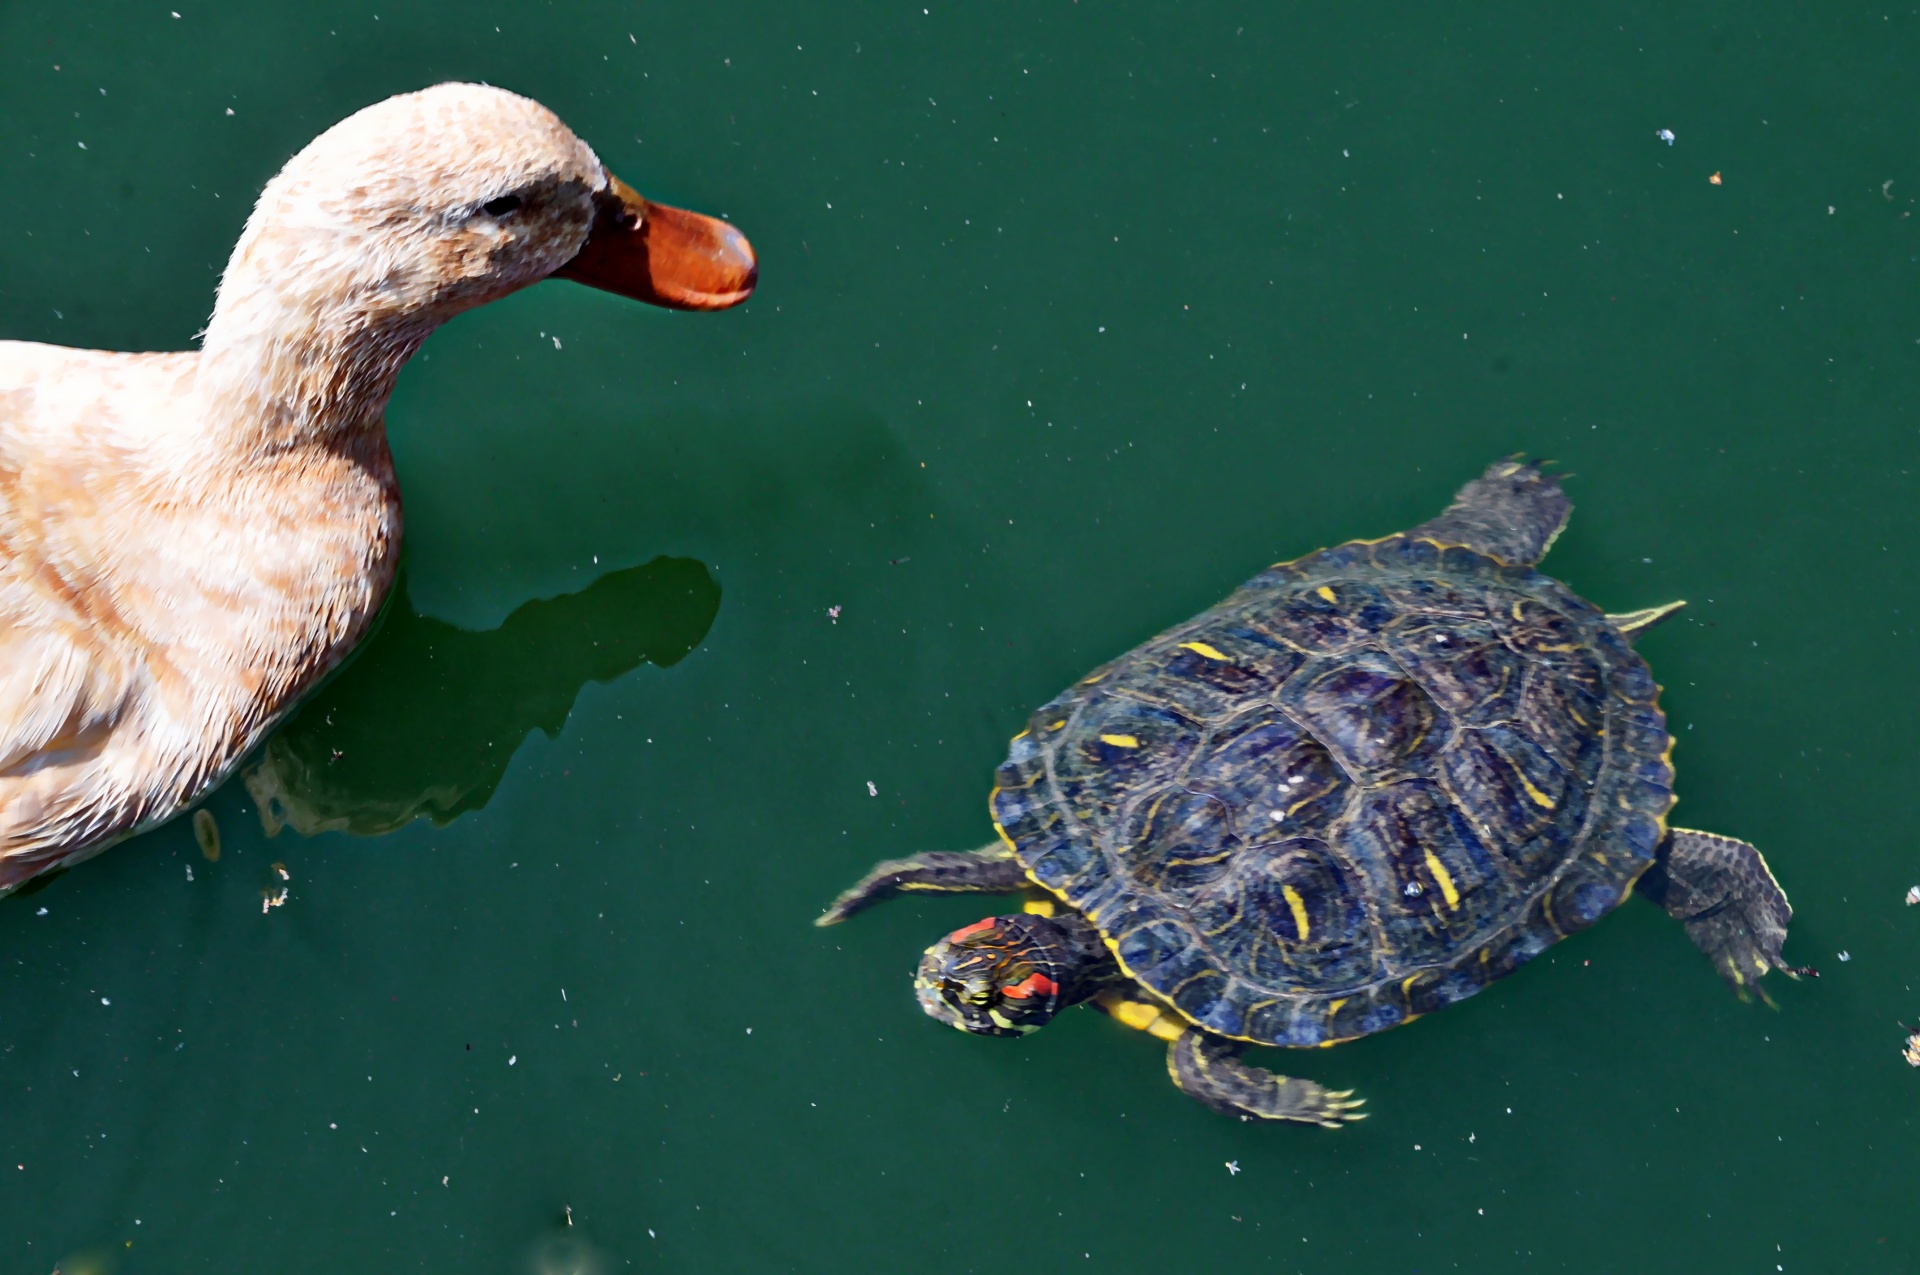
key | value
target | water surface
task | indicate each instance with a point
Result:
(1072, 317)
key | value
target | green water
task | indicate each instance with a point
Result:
(1072, 316)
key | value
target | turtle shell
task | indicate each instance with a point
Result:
(1366, 785)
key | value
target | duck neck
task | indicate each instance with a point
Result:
(300, 358)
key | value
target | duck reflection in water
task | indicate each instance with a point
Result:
(425, 721)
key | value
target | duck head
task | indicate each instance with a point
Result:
(418, 208)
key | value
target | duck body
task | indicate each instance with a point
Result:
(190, 542)
(158, 614)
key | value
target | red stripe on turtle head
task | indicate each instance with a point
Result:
(1031, 985)
(968, 931)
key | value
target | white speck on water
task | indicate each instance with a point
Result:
(1665, 135)
(41, 912)
(512, 1059)
(105, 1001)
(1845, 956)
(871, 790)
(1233, 1168)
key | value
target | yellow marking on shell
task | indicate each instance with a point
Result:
(1334, 1007)
(1444, 881)
(1406, 984)
(1120, 741)
(1299, 907)
(1534, 795)
(998, 830)
(1326, 593)
(1089, 681)
(1038, 907)
(1063, 721)
(1201, 648)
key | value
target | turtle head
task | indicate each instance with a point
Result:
(1004, 976)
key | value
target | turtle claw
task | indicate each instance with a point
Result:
(1343, 1115)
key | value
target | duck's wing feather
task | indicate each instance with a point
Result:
(58, 696)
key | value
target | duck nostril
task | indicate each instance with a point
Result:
(500, 207)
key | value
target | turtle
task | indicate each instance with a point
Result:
(1366, 785)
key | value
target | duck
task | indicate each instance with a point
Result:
(191, 541)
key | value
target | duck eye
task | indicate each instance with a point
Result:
(500, 207)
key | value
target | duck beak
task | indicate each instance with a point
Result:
(663, 256)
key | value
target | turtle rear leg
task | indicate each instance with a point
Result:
(1208, 1067)
(1512, 512)
(1723, 892)
(992, 870)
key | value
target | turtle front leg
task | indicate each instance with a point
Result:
(1208, 1067)
(992, 870)
(1721, 889)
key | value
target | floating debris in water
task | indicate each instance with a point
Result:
(1715, 179)
(1913, 896)
(833, 613)
(871, 790)
(269, 900)
(281, 868)
(1665, 135)
(207, 833)
(1911, 1052)
(1845, 956)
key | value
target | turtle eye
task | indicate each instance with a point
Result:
(500, 207)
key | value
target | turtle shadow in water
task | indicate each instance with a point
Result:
(426, 719)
